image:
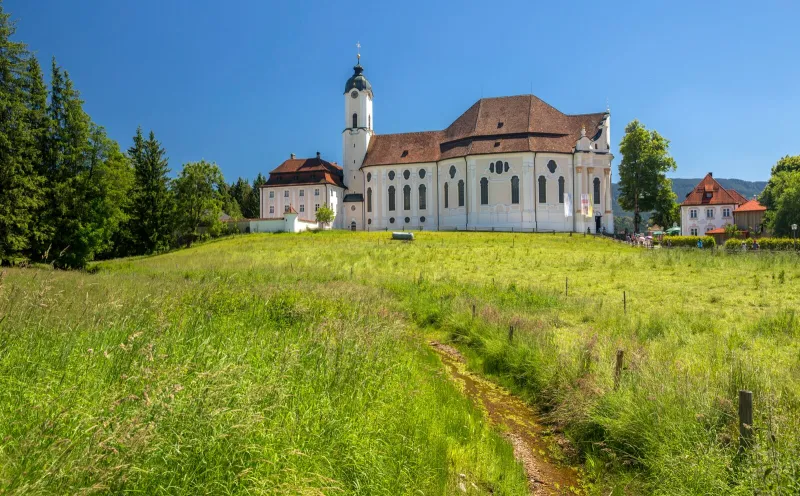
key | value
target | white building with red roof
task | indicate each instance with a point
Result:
(709, 207)
(508, 163)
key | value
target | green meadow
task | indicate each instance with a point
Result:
(299, 364)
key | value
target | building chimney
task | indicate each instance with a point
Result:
(292, 155)
(317, 154)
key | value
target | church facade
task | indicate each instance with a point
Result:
(509, 163)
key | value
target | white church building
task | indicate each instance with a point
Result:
(508, 163)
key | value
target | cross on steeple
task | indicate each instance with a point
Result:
(358, 51)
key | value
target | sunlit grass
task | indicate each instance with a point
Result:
(299, 367)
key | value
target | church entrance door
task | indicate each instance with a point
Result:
(353, 226)
(597, 224)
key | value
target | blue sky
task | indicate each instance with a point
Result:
(246, 83)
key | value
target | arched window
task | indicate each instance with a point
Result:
(391, 198)
(499, 167)
(597, 191)
(406, 197)
(484, 191)
(355, 120)
(452, 171)
(515, 190)
(491, 167)
(369, 199)
(461, 193)
(561, 189)
(446, 196)
(542, 189)
(551, 166)
(423, 200)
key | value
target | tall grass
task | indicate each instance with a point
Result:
(208, 382)
(235, 314)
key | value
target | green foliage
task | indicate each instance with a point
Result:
(787, 203)
(643, 185)
(152, 205)
(774, 244)
(691, 241)
(20, 182)
(325, 215)
(731, 230)
(246, 196)
(198, 198)
(788, 164)
(666, 210)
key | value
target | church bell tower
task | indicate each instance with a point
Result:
(357, 127)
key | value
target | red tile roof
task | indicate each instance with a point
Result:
(710, 192)
(718, 230)
(492, 125)
(750, 206)
(297, 171)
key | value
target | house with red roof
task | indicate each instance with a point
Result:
(709, 207)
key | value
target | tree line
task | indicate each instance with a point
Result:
(69, 195)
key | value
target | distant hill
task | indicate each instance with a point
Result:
(682, 187)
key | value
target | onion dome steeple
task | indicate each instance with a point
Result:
(358, 81)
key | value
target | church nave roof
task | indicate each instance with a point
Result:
(492, 125)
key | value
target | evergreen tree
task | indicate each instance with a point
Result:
(19, 183)
(150, 226)
(254, 203)
(241, 191)
(39, 123)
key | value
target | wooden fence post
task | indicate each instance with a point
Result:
(624, 302)
(618, 367)
(745, 419)
(566, 287)
(473, 311)
(510, 333)
(351, 272)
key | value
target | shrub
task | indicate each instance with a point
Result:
(774, 244)
(691, 241)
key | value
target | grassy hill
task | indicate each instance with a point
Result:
(298, 364)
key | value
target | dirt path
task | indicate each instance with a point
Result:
(519, 424)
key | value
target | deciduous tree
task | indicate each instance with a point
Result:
(197, 198)
(642, 171)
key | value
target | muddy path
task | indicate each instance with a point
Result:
(533, 445)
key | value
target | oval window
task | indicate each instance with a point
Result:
(407, 220)
(353, 208)
(422, 219)
(369, 221)
(391, 220)
(452, 171)
(391, 175)
(422, 173)
(406, 174)
(369, 176)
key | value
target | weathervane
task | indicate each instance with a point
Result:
(358, 51)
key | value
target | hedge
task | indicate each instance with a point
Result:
(777, 244)
(691, 241)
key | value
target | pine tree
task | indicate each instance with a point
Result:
(253, 205)
(19, 194)
(39, 123)
(152, 208)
